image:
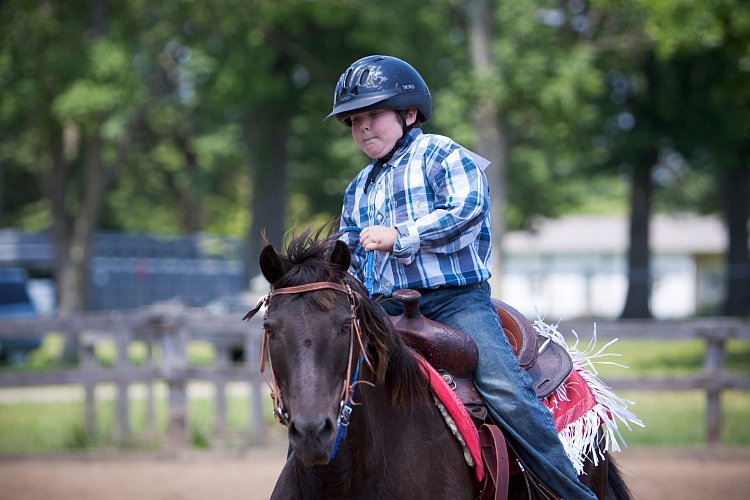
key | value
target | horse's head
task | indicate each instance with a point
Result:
(310, 330)
(318, 323)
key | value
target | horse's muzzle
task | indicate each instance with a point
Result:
(312, 437)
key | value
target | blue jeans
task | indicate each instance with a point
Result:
(505, 387)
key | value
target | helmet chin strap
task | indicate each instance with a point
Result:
(383, 160)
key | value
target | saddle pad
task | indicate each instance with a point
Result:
(579, 401)
(578, 417)
(458, 412)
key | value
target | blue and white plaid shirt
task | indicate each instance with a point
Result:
(438, 199)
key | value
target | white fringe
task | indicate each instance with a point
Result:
(580, 437)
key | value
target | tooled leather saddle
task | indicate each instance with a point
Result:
(454, 355)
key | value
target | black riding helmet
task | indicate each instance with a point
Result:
(381, 82)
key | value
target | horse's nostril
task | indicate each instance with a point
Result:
(318, 427)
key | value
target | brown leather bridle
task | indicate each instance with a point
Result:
(355, 341)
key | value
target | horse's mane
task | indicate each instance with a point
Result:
(307, 261)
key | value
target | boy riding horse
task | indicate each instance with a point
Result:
(423, 205)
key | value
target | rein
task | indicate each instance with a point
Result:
(369, 262)
(355, 342)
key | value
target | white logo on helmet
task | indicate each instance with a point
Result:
(408, 87)
(373, 79)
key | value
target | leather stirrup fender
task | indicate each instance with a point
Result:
(495, 456)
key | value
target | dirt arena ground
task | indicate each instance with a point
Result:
(658, 474)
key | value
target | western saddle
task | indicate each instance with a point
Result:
(454, 354)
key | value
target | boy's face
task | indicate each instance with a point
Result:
(377, 131)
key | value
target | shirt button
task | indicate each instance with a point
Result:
(380, 186)
(387, 283)
(379, 218)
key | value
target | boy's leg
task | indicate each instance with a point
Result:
(505, 387)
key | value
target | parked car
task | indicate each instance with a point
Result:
(15, 302)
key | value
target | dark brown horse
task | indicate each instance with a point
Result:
(328, 345)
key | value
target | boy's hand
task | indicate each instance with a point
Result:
(378, 238)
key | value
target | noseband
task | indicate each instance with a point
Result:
(355, 337)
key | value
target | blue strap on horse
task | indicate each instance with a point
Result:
(346, 408)
(369, 263)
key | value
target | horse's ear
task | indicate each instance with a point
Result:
(270, 264)
(341, 256)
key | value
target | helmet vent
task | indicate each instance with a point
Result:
(348, 79)
(365, 75)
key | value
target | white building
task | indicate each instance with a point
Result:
(577, 266)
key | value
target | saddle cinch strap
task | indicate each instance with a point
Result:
(455, 356)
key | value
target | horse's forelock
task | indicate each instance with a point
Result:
(307, 260)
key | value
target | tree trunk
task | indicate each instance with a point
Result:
(639, 257)
(74, 278)
(267, 132)
(55, 186)
(488, 130)
(73, 248)
(73, 252)
(2, 190)
(736, 196)
(190, 200)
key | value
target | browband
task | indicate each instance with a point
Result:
(319, 285)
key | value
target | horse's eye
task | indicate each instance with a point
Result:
(269, 329)
(346, 327)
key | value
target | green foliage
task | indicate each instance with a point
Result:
(551, 85)
(205, 83)
(109, 83)
(86, 100)
(694, 24)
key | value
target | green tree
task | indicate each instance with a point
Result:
(277, 65)
(68, 86)
(708, 45)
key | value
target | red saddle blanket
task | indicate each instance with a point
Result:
(458, 413)
(580, 400)
(567, 411)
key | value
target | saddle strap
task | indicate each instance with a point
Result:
(535, 488)
(495, 456)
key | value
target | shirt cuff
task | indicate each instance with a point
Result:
(407, 242)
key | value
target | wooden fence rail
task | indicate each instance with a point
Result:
(713, 379)
(168, 329)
